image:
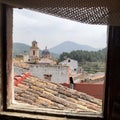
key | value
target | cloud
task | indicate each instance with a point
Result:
(51, 31)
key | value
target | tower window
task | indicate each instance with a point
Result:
(69, 60)
(33, 52)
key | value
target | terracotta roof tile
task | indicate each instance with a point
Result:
(43, 93)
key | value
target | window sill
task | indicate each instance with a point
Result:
(32, 112)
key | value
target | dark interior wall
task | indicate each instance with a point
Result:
(113, 74)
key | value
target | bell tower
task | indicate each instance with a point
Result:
(34, 52)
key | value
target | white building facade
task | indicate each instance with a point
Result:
(73, 65)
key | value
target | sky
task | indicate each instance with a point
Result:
(50, 31)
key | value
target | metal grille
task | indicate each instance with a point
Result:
(85, 15)
(105, 12)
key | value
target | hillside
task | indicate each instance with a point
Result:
(90, 61)
(85, 56)
(21, 48)
(69, 46)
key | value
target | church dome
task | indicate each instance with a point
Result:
(45, 52)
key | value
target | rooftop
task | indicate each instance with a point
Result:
(45, 94)
(20, 64)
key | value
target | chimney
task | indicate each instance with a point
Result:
(47, 76)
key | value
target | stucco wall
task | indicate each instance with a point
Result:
(59, 73)
(72, 63)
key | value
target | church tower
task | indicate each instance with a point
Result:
(34, 52)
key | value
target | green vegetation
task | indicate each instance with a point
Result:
(91, 62)
(84, 56)
(93, 67)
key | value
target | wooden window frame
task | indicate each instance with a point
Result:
(6, 14)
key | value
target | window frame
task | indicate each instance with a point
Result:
(6, 78)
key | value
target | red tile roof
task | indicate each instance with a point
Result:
(46, 94)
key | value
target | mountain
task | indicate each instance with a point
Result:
(69, 46)
(21, 48)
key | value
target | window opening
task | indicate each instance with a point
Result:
(67, 73)
(68, 60)
(33, 52)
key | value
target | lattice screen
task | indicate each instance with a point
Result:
(86, 11)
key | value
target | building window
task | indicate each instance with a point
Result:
(69, 60)
(74, 69)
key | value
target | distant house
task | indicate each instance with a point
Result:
(73, 64)
(19, 58)
(22, 58)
